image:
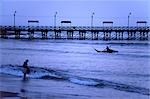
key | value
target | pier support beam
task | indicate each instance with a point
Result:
(31, 34)
(107, 35)
(69, 34)
(94, 35)
(57, 34)
(17, 34)
(119, 35)
(3, 34)
(147, 35)
(82, 35)
(130, 35)
(134, 35)
(44, 34)
(143, 35)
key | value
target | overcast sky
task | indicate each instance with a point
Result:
(77, 11)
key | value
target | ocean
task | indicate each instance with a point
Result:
(76, 62)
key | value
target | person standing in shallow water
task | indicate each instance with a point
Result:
(26, 69)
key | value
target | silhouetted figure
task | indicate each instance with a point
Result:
(26, 69)
(108, 49)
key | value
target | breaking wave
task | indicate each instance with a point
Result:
(52, 74)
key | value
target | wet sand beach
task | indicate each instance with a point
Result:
(17, 88)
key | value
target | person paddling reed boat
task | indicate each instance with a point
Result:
(106, 50)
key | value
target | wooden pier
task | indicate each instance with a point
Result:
(76, 32)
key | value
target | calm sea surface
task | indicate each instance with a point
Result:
(77, 62)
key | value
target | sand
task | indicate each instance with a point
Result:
(17, 88)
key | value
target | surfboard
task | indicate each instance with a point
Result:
(26, 70)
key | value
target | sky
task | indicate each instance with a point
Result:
(79, 12)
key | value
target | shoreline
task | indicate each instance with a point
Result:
(12, 86)
(8, 94)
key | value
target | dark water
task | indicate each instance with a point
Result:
(77, 62)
